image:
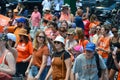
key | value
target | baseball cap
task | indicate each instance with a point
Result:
(90, 46)
(21, 20)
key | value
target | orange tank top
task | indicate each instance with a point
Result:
(59, 68)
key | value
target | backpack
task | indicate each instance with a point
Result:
(98, 64)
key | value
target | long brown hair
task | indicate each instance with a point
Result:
(93, 17)
(35, 42)
(80, 33)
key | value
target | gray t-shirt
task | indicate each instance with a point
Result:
(87, 69)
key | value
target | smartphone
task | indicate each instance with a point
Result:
(115, 50)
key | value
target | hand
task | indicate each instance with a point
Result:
(26, 73)
(114, 56)
(87, 8)
(36, 77)
(69, 49)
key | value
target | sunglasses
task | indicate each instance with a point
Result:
(69, 34)
(41, 37)
(56, 42)
(98, 29)
(114, 31)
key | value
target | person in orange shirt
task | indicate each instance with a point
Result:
(47, 15)
(65, 14)
(25, 50)
(38, 66)
(81, 37)
(93, 21)
(20, 25)
(103, 44)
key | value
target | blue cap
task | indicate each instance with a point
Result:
(90, 46)
(21, 20)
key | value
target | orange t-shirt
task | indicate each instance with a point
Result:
(11, 29)
(24, 50)
(104, 43)
(92, 24)
(48, 17)
(83, 43)
(118, 77)
(64, 17)
(16, 32)
(1, 29)
(38, 54)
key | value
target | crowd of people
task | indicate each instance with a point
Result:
(59, 46)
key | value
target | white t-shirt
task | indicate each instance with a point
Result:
(46, 5)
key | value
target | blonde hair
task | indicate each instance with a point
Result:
(35, 42)
(93, 17)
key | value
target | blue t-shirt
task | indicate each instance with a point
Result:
(78, 21)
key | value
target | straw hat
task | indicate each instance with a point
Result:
(23, 32)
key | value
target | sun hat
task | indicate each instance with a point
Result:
(59, 39)
(66, 5)
(3, 37)
(23, 32)
(90, 46)
(21, 20)
(11, 36)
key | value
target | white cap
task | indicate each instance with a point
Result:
(11, 37)
(47, 9)
(60, 39)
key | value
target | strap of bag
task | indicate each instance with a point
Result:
(3, 61)
(98, 64)
(63, 63)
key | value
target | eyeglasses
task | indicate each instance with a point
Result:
(114, 31)
(56, 42)
(41, 37)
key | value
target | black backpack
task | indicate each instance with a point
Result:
(98, 64)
